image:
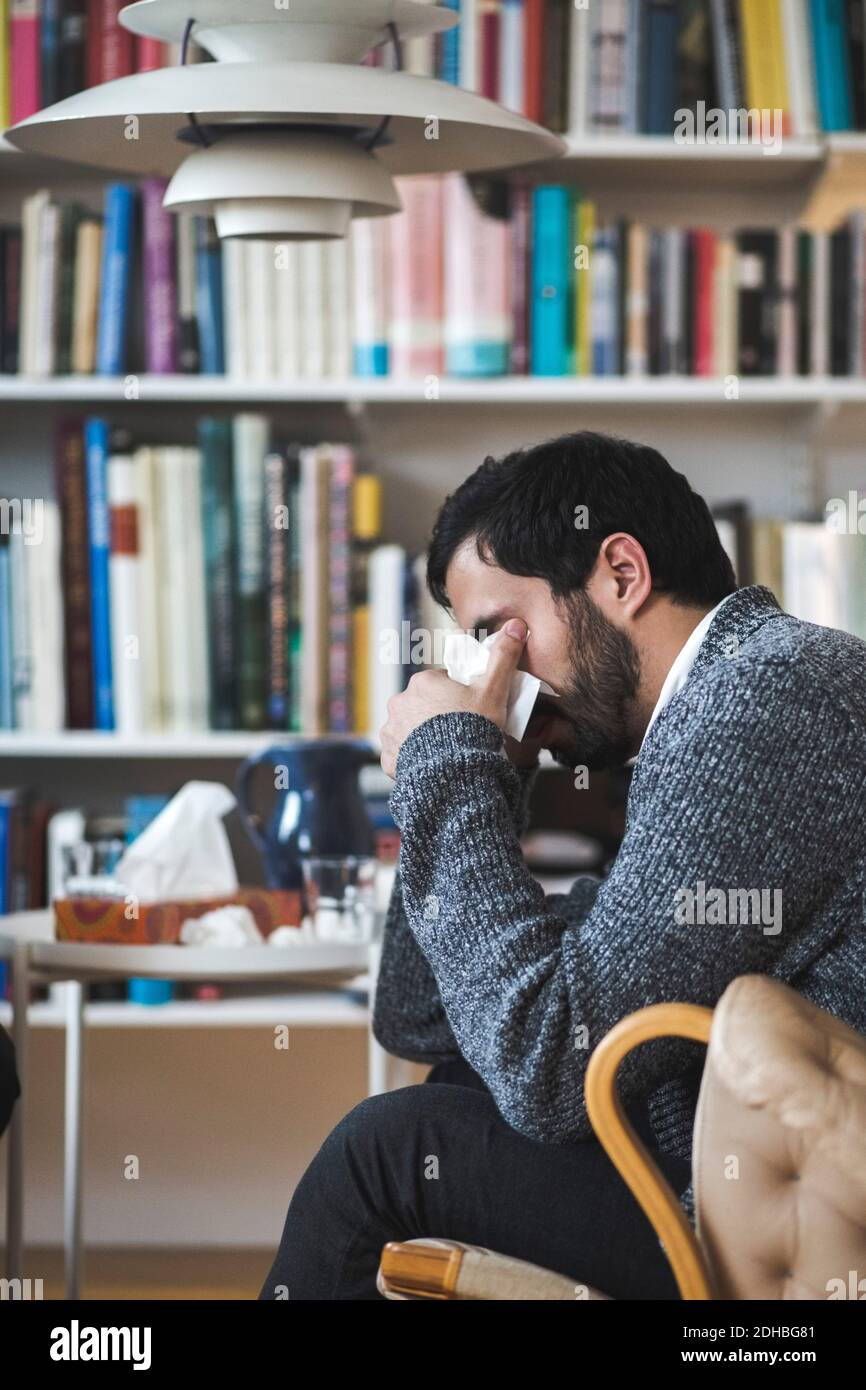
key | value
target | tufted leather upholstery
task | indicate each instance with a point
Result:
(780, 1146)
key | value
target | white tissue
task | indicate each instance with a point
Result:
(224, 926)
(185, 851)
(465, 658)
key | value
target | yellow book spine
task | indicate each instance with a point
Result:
(361, 670)
(764, 57)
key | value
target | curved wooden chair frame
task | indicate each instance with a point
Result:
(431, 1271)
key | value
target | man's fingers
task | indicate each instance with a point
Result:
(505, 654)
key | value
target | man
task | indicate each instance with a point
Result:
(744, 851)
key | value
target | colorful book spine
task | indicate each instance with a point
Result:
(476, 263)
(218, 531)
(96, 444)
(764, 57)
(116, 44)
(25, 95)
(277, 522)
(551, 277)
(125, 592)
(339, 591)
(293, 589)
(521, 219)
(369, 290)
(250, 448)
(71, 489)
(660, 84)
(209, 299)
(449, 49)
(416, 279)
(10, 309)
(161, 316)
(111, 341)
(832, 71)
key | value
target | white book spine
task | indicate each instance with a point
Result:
(312, 309)
(234, 299)
(261, 311)
(22, 652)
(468, 32)
(48, 709)
(385, 577)
(148, 589)
(338, 333)
(369, 242)
(511, 55)
(287, 301)
(31, 223)
(196, 608)
(125, 607)
(800, 67)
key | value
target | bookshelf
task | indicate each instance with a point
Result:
(649, 392)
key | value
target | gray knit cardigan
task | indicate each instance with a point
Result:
(753, 777)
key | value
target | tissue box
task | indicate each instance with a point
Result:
(105, 920)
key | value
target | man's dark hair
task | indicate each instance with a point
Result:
(521, 510)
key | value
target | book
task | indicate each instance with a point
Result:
(127, 656)
(25, 94)
(550, 326)
(342, 473)
(250, 447)
(476, 265)
(161, 310)
(96, 443)
(117, 246)
(832, 67)
(71, 492)
(277, 527)
(218, 530)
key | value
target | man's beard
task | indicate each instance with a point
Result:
(605, 672)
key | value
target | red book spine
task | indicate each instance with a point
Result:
(705, 255)
(534, 59)
(93, 34)
(24, 83)
(116, 43)
(149, 54)
(72, 496)
(490, 26)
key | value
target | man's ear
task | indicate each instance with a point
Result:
(622, 575)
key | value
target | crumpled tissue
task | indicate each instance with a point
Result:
(465, 658)
(185, 851)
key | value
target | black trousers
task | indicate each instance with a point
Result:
(439, 1160)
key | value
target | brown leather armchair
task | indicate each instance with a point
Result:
(779, 1162)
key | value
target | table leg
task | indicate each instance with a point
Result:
(73, 1136)
(15, 1153)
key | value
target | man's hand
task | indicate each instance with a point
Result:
(432, 692)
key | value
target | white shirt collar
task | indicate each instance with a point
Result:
(679, 671)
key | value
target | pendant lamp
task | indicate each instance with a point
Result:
(285, 135)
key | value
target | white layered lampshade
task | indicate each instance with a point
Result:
(283, 147)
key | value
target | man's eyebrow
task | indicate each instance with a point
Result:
(489, 622)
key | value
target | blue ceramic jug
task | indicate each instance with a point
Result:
(314, 805)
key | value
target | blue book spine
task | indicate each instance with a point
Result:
(481, 358)
(116, 265)
(7, 707)
(209, 299)
(96, 451)
(49, 56)
(551, 276)
(832, 69)
(660, 70)
(370, 359)
(449, 49)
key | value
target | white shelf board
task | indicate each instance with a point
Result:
(656, 391)
(92, 744)
(303, 1009)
